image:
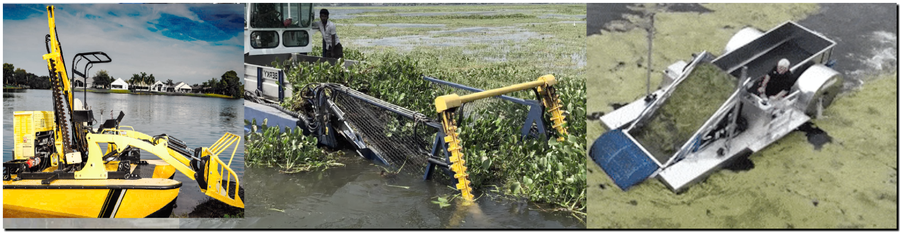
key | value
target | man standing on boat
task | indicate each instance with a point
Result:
(777, 83)
(331, 44)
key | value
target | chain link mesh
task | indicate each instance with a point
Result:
(403, 142)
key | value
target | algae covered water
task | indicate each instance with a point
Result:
(199, 121)
(845, 180)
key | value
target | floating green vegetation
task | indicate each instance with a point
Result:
(287, 150)
(848, 183)
(693, 102)
(540, 170)
(578, 9)
(547, 36)
(454, 17)
(543, 171)
(710, 31)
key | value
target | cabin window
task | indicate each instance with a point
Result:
(275, 15)
(264, 39)
(295, 38)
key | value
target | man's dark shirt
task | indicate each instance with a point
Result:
(780, 82)
(777, 82)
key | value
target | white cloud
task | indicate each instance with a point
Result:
(131, 46)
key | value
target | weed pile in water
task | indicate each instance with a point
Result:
(287, 150)
(541, 170)
(692, 103)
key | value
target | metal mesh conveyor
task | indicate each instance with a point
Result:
(399, 136)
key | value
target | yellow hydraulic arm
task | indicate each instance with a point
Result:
(54, 58)
(61, 84)
(446, 106)
(215, 171)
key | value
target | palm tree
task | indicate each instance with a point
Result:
(135, 78)
(142, 79)
(150, 79)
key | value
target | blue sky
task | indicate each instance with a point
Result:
(183, 42)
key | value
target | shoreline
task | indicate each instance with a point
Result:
(6, 88)
(155, 93)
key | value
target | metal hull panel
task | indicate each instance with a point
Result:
(625, 114)
(141, 198)
(697, 166)
(273, 117)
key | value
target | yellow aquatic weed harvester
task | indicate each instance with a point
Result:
(63, 167)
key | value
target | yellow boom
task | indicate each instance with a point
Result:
(54, 58)
(61, 85)
(446, 106)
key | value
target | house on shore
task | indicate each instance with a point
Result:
(182, 87)
(140, 87)
(119, 84)
(159, 86)
(80, 83)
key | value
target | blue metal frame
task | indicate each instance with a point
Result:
(280, 85)
(259, 80)
(535, 116)
(438, 149)
(622, 159)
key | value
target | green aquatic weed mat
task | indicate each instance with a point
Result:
(692, 103)
(850, 182)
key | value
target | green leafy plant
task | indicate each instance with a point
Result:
(541, 170)
(288, 150)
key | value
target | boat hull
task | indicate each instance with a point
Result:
(148, 197)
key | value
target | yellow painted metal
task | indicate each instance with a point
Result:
(123, 141)
(457, 161)
(59, 199)
(225, 142)
(163, 171)
(54, 160)
(551, 102)
(216, 172)
(25, 125)
(130, 132)
(218, 175)
(55, 63)
(55, 55)
(52, 202)
(135, 204)
(446, 104)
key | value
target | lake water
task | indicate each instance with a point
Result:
(198, 121)
(357, 195)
